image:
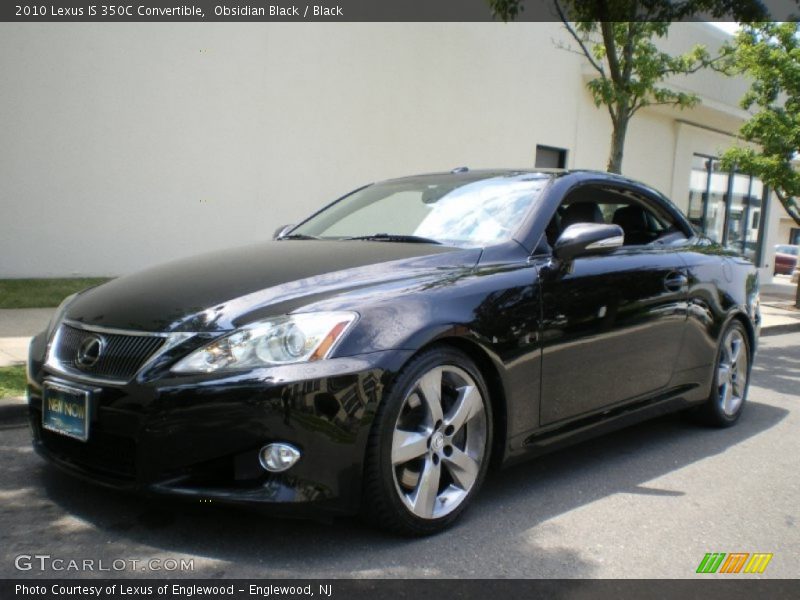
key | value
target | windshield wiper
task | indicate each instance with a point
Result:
(394, 237)
(299, 236)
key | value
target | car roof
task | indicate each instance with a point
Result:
(466, 175)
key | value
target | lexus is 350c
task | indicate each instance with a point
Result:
(382, 355)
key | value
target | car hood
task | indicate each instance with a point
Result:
(226, 289)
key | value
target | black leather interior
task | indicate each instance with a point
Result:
(633, 220)
(581, 212)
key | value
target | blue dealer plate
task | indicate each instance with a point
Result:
(65, 410)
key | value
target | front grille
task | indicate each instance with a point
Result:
(104, 453)
(120, 358)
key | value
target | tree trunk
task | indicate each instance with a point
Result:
(790, 205)
(797, 296)
(617, 143)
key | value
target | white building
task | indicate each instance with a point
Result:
(125, 145)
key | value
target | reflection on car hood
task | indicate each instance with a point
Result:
(226, 289)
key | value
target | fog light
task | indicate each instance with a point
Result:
(277, 458)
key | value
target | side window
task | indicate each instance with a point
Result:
(639, 225)
(639, 218)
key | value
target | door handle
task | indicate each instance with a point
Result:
(675, 282)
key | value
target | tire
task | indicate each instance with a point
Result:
(731, 379)
(428, 450)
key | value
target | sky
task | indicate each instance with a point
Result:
(727, 27)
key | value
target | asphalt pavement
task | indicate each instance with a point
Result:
(649, 501)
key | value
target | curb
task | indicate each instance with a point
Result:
(780, 329)
(9, 362)
(13, 412)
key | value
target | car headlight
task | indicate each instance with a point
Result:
(303, 337)
(55, 320)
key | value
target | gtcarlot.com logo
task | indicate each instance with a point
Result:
(734, 562)
(46, 562)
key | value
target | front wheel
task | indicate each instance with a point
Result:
(731, 379)
(429, 447)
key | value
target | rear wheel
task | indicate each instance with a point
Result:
(731, 379)
(429, 447)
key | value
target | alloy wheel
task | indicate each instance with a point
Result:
(732, 372)
(439, 442)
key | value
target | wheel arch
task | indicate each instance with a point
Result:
(752, 342)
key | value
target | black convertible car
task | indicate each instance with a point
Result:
(381, 355)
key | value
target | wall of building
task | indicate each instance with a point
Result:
(128, 145)
(784, 229)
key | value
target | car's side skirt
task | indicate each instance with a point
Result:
(600, 423)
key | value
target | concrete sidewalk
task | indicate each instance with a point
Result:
(779, 317)
(17, 326)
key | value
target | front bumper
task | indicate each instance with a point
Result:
(199, 436)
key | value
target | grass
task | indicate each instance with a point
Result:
(12, 381)
(41, 293)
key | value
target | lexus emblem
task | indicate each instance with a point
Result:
(89, 351)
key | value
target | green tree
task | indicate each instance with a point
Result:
(618, 37)
(769, 54)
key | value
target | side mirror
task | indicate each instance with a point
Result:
(582, 239)
(281, 231)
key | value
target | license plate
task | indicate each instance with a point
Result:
(65, 410)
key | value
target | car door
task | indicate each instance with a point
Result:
(612, 328)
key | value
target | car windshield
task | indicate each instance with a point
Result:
(446, 210)
(793, 250)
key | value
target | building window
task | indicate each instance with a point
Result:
(548, 157)
(726, 205)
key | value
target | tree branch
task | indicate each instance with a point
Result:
(598, 67)
(637, 103)
(642, 104)
(790, 204)
(607, 31)
(612, 114)
(698, 67)
(627, 53)
(567, 48)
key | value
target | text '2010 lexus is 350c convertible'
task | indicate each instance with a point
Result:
(381, 356)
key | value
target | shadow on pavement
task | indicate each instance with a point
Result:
(781, 364)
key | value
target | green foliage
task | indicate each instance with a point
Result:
(769, 54)
(618, 38)
(631, 67)
(12, 381)
(644, 10)
(631, 70)
(41, 293)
